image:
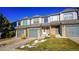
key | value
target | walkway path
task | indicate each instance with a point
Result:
(13, 45)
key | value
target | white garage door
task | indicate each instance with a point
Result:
(20, 32)
(34, 32)
(72, 30)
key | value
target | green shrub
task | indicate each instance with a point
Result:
(22, 36)
(8, 34)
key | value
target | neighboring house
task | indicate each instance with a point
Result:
(65, 24)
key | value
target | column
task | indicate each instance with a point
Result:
(16, 34)
(25, 33)
(62, 29)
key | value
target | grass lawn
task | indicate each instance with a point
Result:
(54, 44)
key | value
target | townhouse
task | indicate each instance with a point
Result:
(64, 24)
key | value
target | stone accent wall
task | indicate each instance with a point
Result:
(52, 31)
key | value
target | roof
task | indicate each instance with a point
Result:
(25, 18)
(38, 16)
(54, 14)
(69, 10)
(64, 11)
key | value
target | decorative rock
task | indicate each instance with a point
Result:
(42, 40)
(36, 41)
(58, 36)
(22, 46)
(29, 46)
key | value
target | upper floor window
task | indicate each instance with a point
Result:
(24, 22)
(36, 21)
(54, 18)
(68, 16)
(46, 20)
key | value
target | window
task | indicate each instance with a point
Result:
(36, 21)
(46, 20)
(68, 16)
(56, 18)
(25, 22)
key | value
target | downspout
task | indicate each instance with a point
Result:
(60, 25)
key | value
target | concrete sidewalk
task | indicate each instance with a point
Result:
(12, 46)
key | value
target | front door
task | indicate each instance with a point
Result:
(58, 30)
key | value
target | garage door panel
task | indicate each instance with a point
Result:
(72, 30)
(20, 32)
(33, 32)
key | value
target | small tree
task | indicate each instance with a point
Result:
(5, 27)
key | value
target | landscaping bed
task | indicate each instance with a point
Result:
(52, 44)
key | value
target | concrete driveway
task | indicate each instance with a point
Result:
(75, 39)
(13, 44)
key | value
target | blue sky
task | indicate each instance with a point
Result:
(16, 13)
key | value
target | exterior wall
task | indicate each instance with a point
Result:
(53, 18)
(26, 22)
(41, 20)
(31, 21)
(45, 32)
(74, 16)
(62, 30)
(21, 22)
(52, 30)
(49, 19)
(17, 23)
(25, 34)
